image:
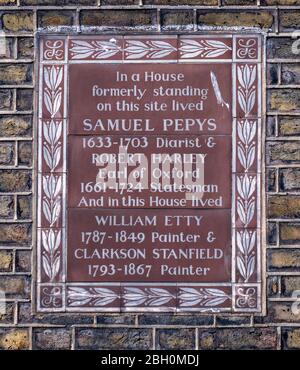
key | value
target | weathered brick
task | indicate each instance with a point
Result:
(180, 2)
(231, 320)
(283, 259)
(124, 19)
(260, 19)
(271, 126)
(24, 207)
(278, 312)
(51, 339)
(56, 18)
(16, 126)
(290, 338)
(15, 74)
(290, 74)
(271, 179)
(25, 47)
(272, 74)
(58, 2)
(15, 180)
(289, 233)
(17, 21)
(239, 338)
(23, 261)
(26, 316)
(283, 152)
(289, 284)
(273, 286)
(177, 20)
(281, 47)
(8, 2)
(280, 2)
(283, 206)
(272, 233)
(289, 179)
(168, 319)
(239, 2)
(116, 319)
(289, 20)
(113, 338)
(14, 339)
(6, 260)
(178, 339)
(8, 316)
(15, 234)
(120, 2)
(7, 153)
(6, 99)
(24, 99)
(284, 100)
(15, 287)
(25, 153)
(288, 126)
(6, 206)
(7, 49)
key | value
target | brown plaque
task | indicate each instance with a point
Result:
(149, 173)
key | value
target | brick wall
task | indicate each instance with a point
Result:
(19, 328)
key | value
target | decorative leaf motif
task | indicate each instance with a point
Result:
(246, 254)
(153, 49)
(245, 211)
(246, 148)
(203, 48)
(52, 146)
(162, 45)
(217, 44)
(246, 186)
(246, 241)
(246, 131)
(206, 297)
(51, 256)
(48, 102)
(56, 103)
(52, 200)
(156, 49)
(246, 201)
(250, 102)
(51, 240)
(46, 267)
(94, 49)
(148, 296)
(56, 265)
(80, 296)
(246, 89)
(53, 92)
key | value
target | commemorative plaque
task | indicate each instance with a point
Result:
(149, 173)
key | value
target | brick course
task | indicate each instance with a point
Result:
(19, 20)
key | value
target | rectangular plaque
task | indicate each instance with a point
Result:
(149, 173)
